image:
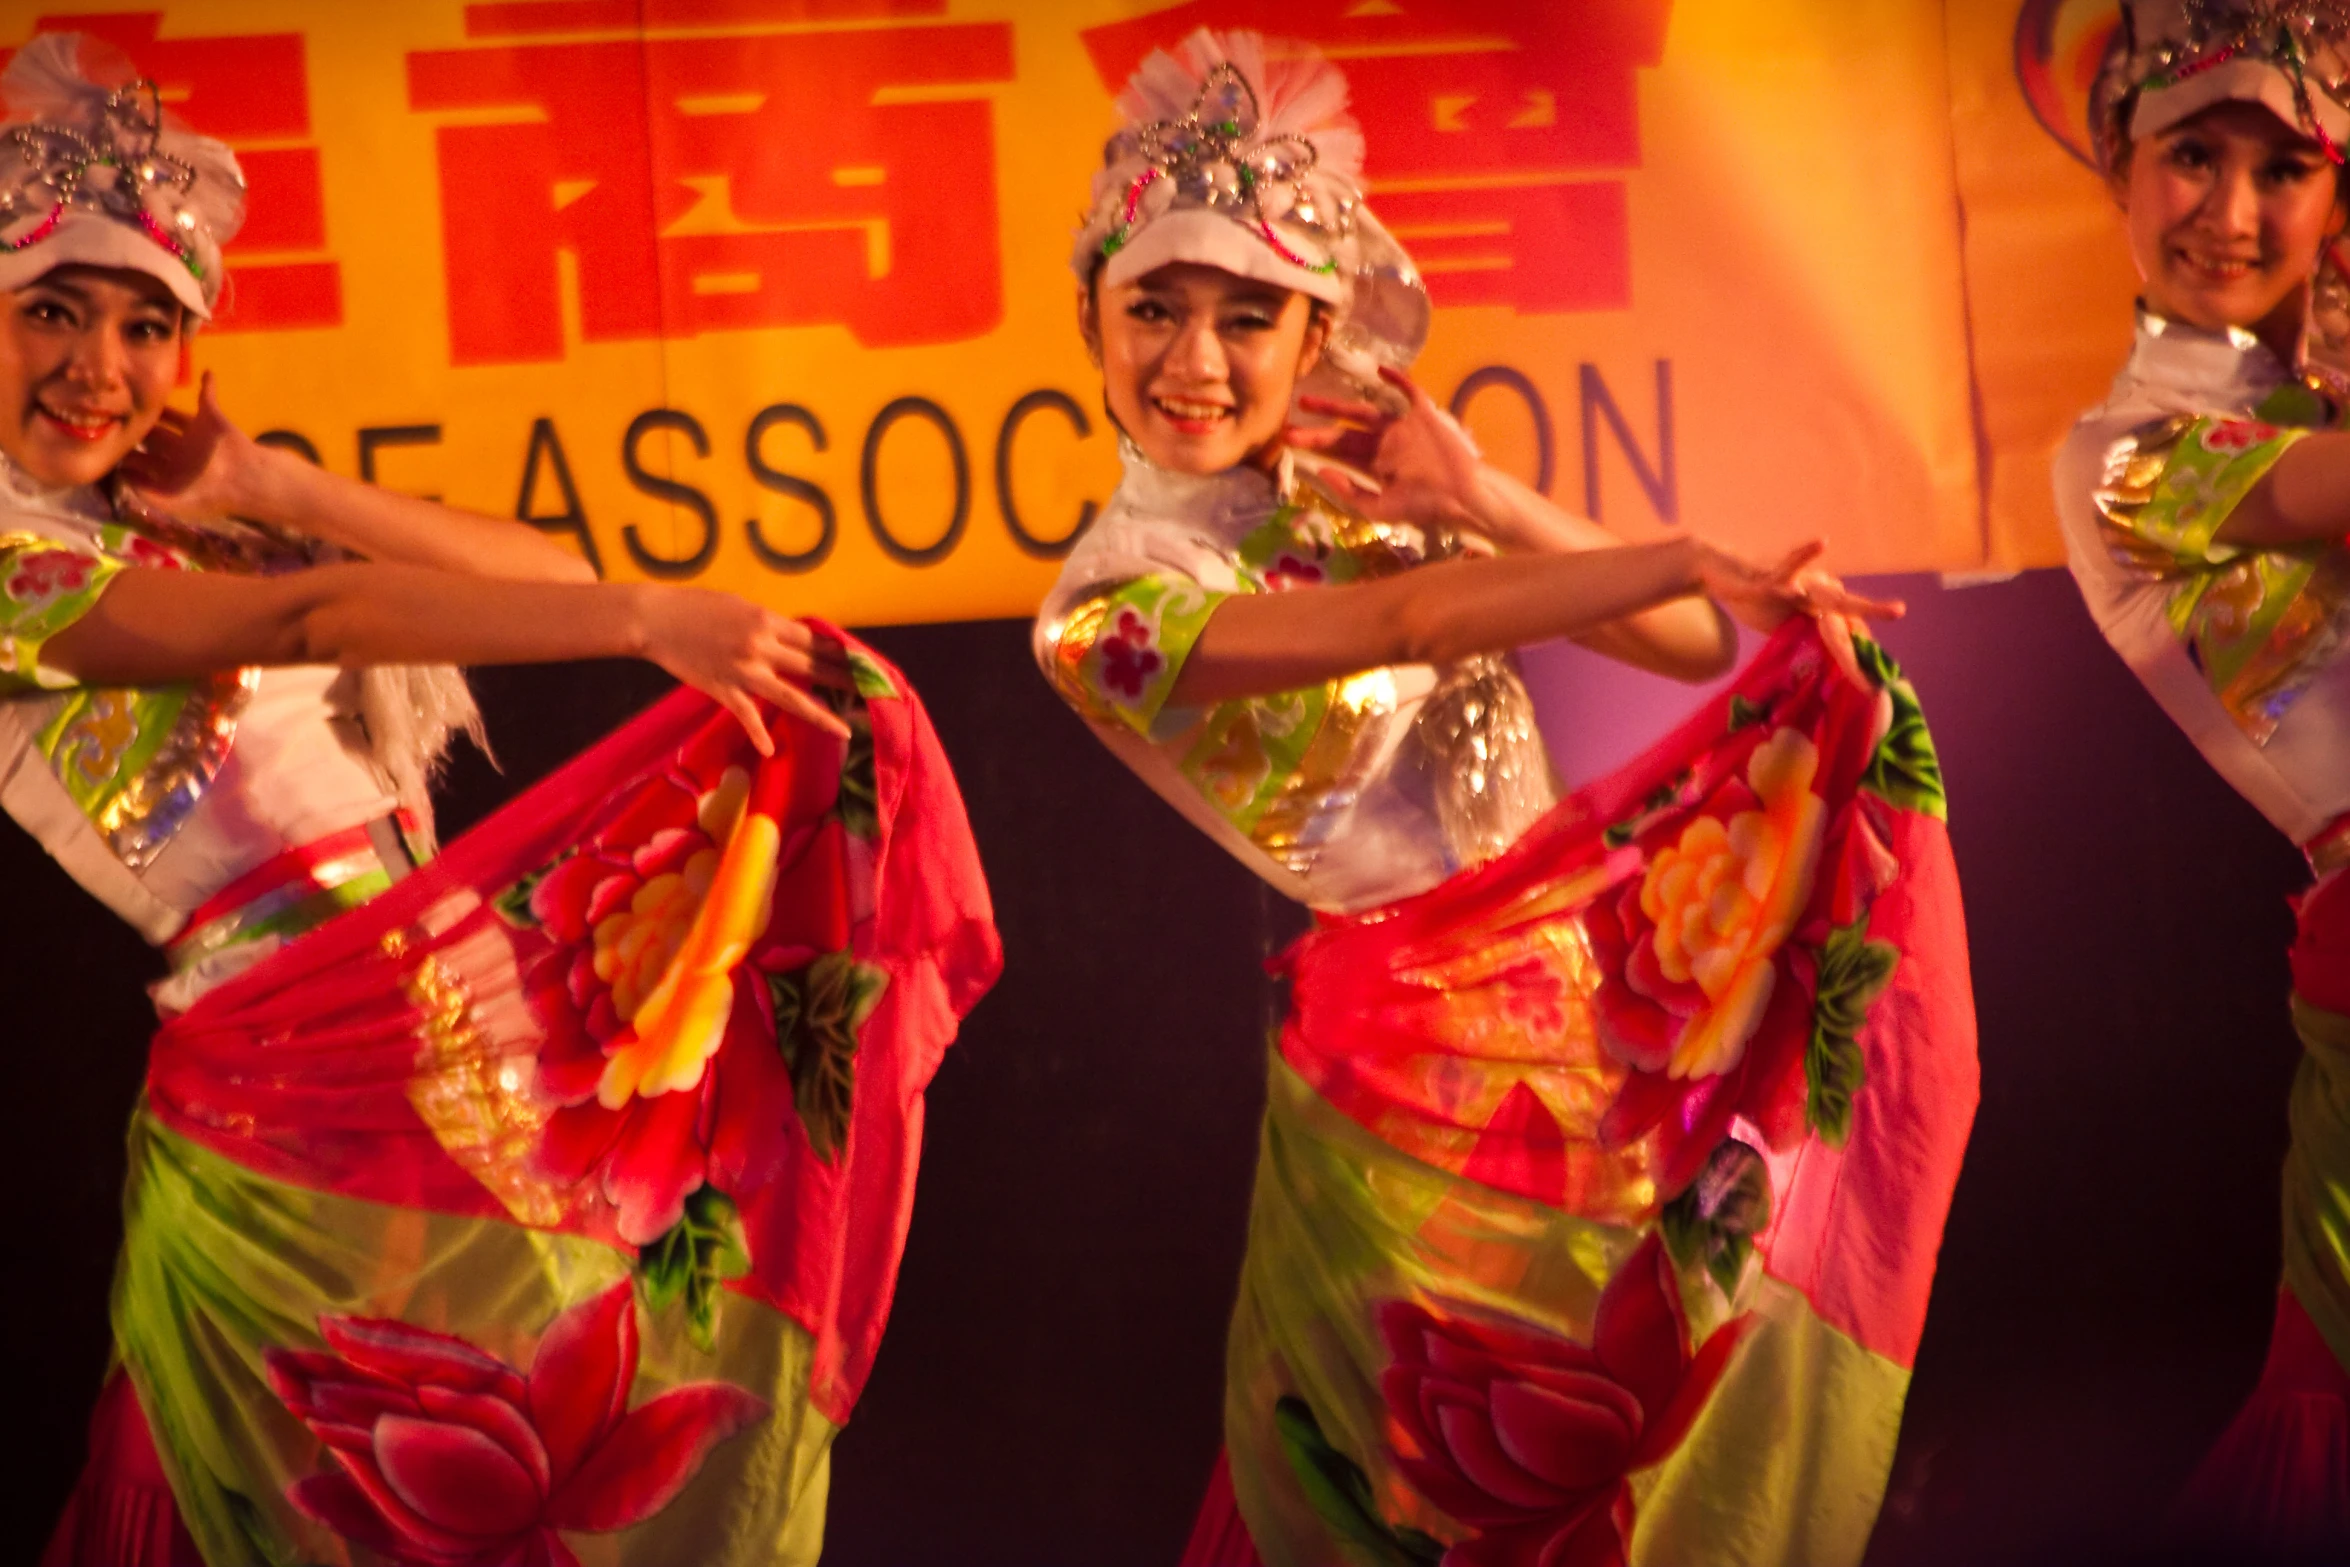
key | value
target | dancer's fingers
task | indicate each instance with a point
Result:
(746, 713)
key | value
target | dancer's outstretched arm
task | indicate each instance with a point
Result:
(1426, 471)
(202, 467)
(1255, 644)
(150, 626)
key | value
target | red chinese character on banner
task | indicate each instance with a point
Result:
(1487, 122)
(243, 89)
(747, 179)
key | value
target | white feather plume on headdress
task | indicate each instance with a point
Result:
(1298, 94)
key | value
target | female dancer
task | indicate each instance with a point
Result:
(2203, 513)
(1608, 1141)
(476, 1203)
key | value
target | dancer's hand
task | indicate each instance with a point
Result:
(198, 466)
(739, 654)
(1764, 597)
(1424, 467)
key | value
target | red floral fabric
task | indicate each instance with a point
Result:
(446, 1455)
(307, 1068)
(1527, 1437)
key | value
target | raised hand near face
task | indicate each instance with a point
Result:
(1422, 465)
(197, 465)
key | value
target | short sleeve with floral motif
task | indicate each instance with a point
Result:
(2249, 618)
(44, 588)
(1121, 649)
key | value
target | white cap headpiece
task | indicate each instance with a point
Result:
(2172, 59)
(1233, 160)
(100, 176)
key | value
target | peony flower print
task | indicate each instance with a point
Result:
(646, 999)
(1702, 929)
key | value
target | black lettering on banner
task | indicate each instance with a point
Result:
(670, 490)
(375, 437)
(1066, 406)
(291, 441)
(1662, 483)
(914, 408)
(572, 519)
(807, 491)
(1516, 381)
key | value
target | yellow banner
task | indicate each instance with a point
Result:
(773, 294)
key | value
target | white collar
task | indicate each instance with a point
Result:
(1237, 499)
(20, 491)
(2231, 367)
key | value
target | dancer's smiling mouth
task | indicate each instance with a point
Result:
(81, 424)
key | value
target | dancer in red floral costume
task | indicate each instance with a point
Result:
(1608, 1139)
(2205, 524)
(487, 1207)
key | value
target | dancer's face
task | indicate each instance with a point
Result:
(87, 356)
(2228, 211)
(1199, 364)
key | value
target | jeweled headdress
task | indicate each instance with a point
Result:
(1252, 164)
(2174, 58)
(99, 175)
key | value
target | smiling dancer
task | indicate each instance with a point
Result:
(1609, 1139)
(483, 1203)
(2204, 508)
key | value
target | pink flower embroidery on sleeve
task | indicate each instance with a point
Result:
(45, 575)
(139, 550)
(1291, 570)
(444, 1454)
(1130, 659)
(2237, 435)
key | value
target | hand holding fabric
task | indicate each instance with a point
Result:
(740, 654)
(1764, 598)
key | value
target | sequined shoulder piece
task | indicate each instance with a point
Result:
(2259, 623)
(134, 759)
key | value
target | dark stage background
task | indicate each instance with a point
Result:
(1048, 1392)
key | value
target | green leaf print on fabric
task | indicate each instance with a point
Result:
(1660, 799)
(2294, 404)
(513, 905)
(1905, 769)
(261, 1534)
(700, 1252)
(871, 680)
(818, 1011)
(858, 805)
(1713, 1223)
(1341, 1493)
(1854, 971)
(1744, 714)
